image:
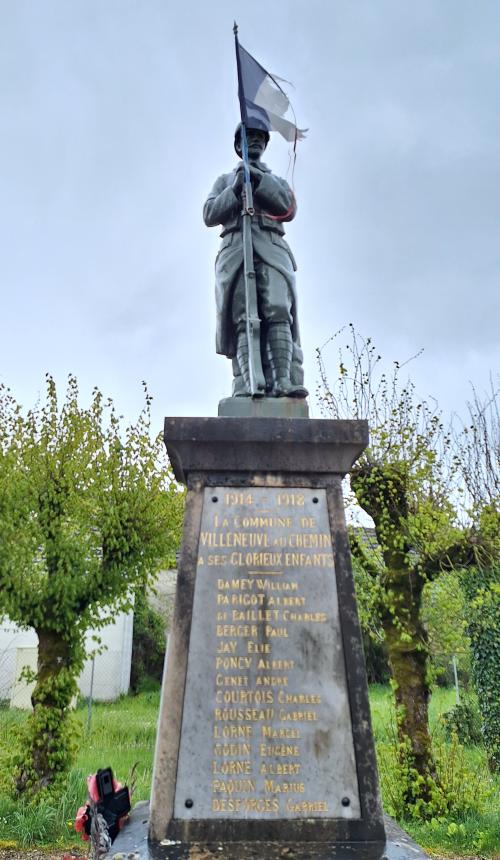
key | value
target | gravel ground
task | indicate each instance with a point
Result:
(38, 854)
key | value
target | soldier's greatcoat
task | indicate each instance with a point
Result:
(274, 203)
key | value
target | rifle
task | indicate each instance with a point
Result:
(256, 373)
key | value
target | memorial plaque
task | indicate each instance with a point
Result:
(266, 723)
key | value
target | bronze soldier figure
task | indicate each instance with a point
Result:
(274, 266)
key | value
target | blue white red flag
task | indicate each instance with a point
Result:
(263, 103)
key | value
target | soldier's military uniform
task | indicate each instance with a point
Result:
(275, 268)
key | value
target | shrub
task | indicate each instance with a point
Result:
(464, 721)
(482, 590)
(148, 646)
(458, 788)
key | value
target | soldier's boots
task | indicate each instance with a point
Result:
(280, 350)
(244, 365)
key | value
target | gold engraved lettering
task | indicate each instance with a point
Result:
(275, 632)
(217, 560)
(262, 522)
(281, 733)
(258, 647)
(298, 698)
(233, 662)
(233, 715)
(297, 716)
(309, 541)
(231, 681)
(271, 681)
(244, 805)
(238, 498)
(233, 786)
(308, 617)
(290, 601)
(276, 750)
(275, 665)
(232, 768)
(246, 599)
(308, 522)
(255, 614)
(226, 647)
(242, 630)
(302, 559)
(226, 540)
(233, 732)
(306, 807)
(225, 750)
(259, 603)
(273, 585)
(256, 559)
(273, 787)
(235, 584)
(290, 499)
(244, 697)
(280, 768)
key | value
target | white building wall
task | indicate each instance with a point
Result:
(111, 667)
(12, 638)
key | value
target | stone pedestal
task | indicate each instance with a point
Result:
(264, 744)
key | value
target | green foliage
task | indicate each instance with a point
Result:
(479, 463)
(46, 821)
(482, 589)
(474, 834)
(402, 482)
(148, 646)
(123, 733)
(457, 789)
(444, 615)
(368, 595)
(459, 786)
(88, 512)
(464, 722)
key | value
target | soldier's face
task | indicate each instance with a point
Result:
(257, 143)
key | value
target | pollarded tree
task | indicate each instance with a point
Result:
(87, 513)
(403, 483)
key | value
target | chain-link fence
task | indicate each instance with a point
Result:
(105, 676)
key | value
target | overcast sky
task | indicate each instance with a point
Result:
(116, 117)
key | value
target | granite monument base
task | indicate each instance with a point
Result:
(263, 407)
(132, 842)
(264, 745)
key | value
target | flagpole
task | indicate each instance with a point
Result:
(256, 373)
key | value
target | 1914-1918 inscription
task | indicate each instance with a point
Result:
(266, 728)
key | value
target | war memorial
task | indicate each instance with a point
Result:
(264, 745)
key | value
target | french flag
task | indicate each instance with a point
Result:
(263, 103)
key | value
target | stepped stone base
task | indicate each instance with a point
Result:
(132, 843)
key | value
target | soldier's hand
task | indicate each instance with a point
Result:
(255, 176)
(238, 180)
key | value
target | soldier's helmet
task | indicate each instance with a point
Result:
(254, 125)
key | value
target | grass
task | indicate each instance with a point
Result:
(475, 833)
(122, 734)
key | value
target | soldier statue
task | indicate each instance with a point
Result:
(274, 279)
